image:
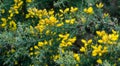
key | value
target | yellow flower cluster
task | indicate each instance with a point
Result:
(35, 50)
(15, 8)
(29, 1)
(55, 57)
(44, 22)
(46, 18)
(71, 21)
(89, 10)
(13, 25)
(99, 61)
(40, 44)
(34, 12)
(77, 57)
(66, 41)
(4, 20)
(107, 38)
(86, 43)
(72, 10)
(98, 50)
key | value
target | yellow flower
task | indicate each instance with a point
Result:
(98, 50)
(2, 11)
(83, 19)
(100, 41)
(89, 41)
(99, 61)
(114, 32)
(56, 57)
(64, 36)
(67, 21)
(100, 5)
(113, 37)
(31, 48)
(31, 53)
(61, 10)
(72, 9)
(13, 25)
(53, 20)
(4, 20)
(51, 12)
(85, 10)
(76, 56)
(66, 10)
(72, 21)
(60, 24)
(45, 42)
(36, 52)
(86, 43)
(89, 10)
(72, 40)
(77, 65)
(100, 33)
(105, 15)
(62, 65)
(12, 50)
(32, 65)
(36, 47)
(28, 1)
(15, 62)
(40, 44)
(82, 49)
(31, 30)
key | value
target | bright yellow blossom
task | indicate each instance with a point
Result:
(72, 40)
(36, 47)
(31, 48)
(100, 5)
(13, 25)
(76, 56)
(4, 20)
(99, 61)
(66, 10)
(31, 53)
(98, 50)
(28, 1)
(60, 24)
(107, 38)
(73, 9)
(40, 44)
(83, 49)
(89, 10)
(86, 43)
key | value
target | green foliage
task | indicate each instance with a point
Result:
(59, 33)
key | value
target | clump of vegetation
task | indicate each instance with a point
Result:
(58, 33)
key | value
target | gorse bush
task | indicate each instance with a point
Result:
(58, 33)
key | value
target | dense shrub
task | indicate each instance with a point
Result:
(58, 33)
